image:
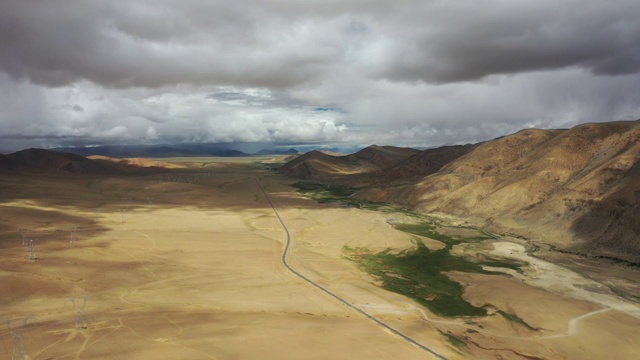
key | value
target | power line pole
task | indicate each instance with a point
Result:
(24, 231)
(73, 229)
(17, 332)
(32, 249)
(96, 215)
(78, 305)
(123, 209)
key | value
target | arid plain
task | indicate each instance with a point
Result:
(186, 263)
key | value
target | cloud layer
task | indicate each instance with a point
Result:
(418, 73)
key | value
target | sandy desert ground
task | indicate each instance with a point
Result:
(186, 264)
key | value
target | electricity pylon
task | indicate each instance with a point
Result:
(17, 332)
(96, 215)
(78, 305)
(32, 249)
(24, 231)
(122, 211)
(73, 229)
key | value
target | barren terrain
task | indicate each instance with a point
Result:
(577, 190)
(186, 263)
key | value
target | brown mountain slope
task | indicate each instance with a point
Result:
(40, 160)
(6, 163)
(380, 157)
(128, 163)
(318, 166)
(577, 188)
(424, 163)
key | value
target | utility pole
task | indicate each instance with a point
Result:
(122, 211)
(17, 332)
(32, 249)
(78, 305)
(24, 231)
(73, 229)
(96, 215)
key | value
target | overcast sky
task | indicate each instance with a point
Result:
(414, 73)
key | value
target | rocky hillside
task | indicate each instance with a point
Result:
(380, 157)
(39, 160)
(354, 168)
(577, 189)
(424, 163)
(6, 163)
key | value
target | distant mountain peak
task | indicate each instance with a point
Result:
(48, 160)
(577, 188)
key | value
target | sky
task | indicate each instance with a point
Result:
(415, 73)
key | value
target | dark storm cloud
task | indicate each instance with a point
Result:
(462, 43)
(406, 72)
(127, 44)
(286, 43)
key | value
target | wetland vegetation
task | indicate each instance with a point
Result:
(420, 273)
(326, 193)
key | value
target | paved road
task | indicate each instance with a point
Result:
(285, 252)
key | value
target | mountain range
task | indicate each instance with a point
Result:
(40, 160)
(577, 189)
(48, 161)
(165, 151)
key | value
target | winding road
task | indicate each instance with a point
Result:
(283, 259)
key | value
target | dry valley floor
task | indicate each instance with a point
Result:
(186, 264)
